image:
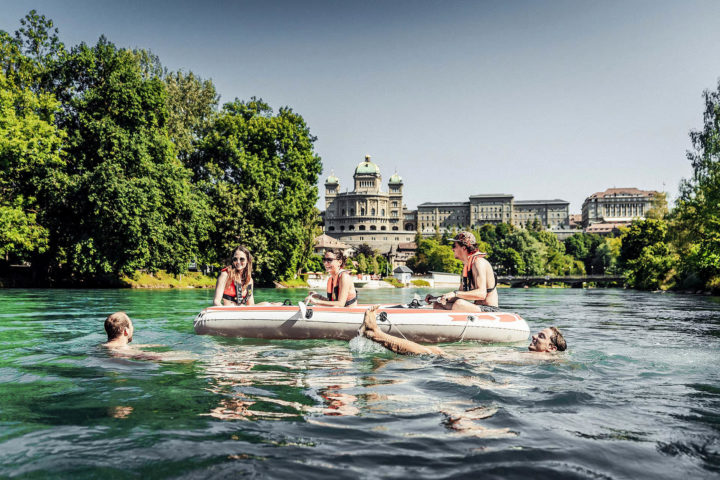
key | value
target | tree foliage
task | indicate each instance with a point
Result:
(29, 159)
(697, 212)
(110, 164)
(260, 172)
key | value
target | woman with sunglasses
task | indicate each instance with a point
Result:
(235, 284)
(340, 289)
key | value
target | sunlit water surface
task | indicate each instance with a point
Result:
(637, 394)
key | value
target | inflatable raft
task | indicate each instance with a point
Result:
(417, 324)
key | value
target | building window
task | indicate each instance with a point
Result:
(372, 212)
(373, 227)
(362, 227)
(332, 229)
(383, 227)
(342, 228)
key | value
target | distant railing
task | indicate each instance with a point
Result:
(572, 280)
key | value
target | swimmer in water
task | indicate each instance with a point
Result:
(547, 340)
(120, 329)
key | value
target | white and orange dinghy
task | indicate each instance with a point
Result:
(302, 322)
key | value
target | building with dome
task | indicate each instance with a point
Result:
(367, 214)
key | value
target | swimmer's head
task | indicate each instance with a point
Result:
(117, 325)
(547, 340)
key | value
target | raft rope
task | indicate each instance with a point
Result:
(387, 319)
(470, 318)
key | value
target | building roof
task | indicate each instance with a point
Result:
(402, 269)
(332, 179)
(605, 227)
(395, 179)
(326, 241)
(367, 167)
(622, 192)
(541, 202)
(444, 204)
(407, 246)
(492, 195)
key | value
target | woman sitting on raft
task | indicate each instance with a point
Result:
(235, 284)
(340, 289)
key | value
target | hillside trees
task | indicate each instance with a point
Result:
(110, 165)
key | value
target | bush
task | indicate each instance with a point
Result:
(420, 283)
(394, 282)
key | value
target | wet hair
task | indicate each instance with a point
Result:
(115, 324)
(338, 253)
(242, 275)
(557, 339)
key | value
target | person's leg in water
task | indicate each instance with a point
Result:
(371, 330)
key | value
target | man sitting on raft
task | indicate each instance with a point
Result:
(547, 340)
(478, 288)
(340, 289)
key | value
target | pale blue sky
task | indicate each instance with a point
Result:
(539, 99)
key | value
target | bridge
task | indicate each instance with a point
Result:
(575, 281)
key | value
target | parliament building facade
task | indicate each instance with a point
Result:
(367, 214)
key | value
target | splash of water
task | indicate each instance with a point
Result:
(363, 345)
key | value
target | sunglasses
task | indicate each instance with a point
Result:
(239, 260)
(328, 260)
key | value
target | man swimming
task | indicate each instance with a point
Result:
(547, 340)
(119, 329)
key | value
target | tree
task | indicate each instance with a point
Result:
(191, 102)
(659, 209)
(431, 256)
(29, 159)
(129, 203)
(648, 259)
(260, 172)
(364, 249)
(697, 214)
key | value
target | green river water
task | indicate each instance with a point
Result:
(637, 394)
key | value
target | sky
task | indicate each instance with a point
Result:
(539, 99)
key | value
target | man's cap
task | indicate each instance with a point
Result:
(465, 238)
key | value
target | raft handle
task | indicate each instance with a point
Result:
(382, 316)
(309, 313)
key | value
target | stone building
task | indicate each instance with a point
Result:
(366, 214)
(616, 205)
(492, 208)
(551, 213)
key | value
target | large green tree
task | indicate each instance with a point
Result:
(647, 256)
(260, 171)
(698, 208)
(129, 203)
(29, 160)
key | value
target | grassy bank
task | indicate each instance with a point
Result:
(166, 280)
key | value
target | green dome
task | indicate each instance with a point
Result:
(395, 179)
(367, 167)
(332, 179)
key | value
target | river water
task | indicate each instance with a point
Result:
(637, 394)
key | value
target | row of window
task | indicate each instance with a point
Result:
(351, 228)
